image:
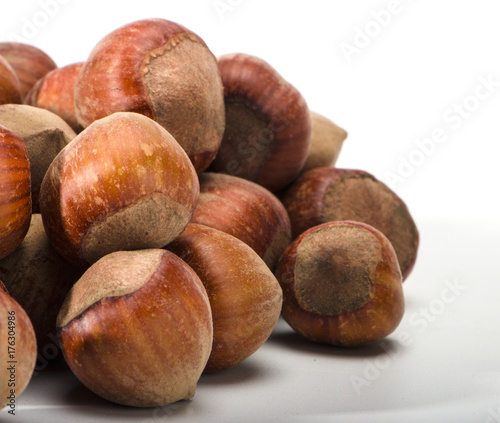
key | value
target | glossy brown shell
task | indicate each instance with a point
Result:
(245, 210)
(164, 71)
(329, 194)
(29, 62)
(368, 322)
(56, 93)
(10, 89)
(268, 126)
(123, 183)
(15, 191)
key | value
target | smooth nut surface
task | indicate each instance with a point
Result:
(137, 328)
(15, 191)
(268, 126)
(10, 88)
(29, 63)
(124, 183)
(56, 92)
(245, 210)
(162, 70)
(244, 295)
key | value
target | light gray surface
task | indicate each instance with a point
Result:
(441, 364)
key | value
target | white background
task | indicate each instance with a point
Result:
(394, 88)
(390, 93)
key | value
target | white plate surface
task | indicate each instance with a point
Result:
(441, 364)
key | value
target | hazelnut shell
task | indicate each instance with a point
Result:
(137, 328)
(341, 284)
(162, 70)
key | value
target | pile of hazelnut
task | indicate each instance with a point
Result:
(161, 208)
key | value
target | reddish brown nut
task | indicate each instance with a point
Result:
(245, 210)
(38, 278)
(164, 71)
(44, 133)
(29, 62)
(10, 89)
(123, 183)
(341, 284)
(56, 93)
(268, 126)
(326, 142)
(15, 191)
(137, 328)
(244, 295)
(17, 352)
(328, 194)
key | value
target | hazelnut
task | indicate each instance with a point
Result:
(44, 133)
(326, 142)
(123, 183)
(244, 295)
(10, 89)
(38, 278)
(137, 328)
(328, 194)
(17, 352)
(56, 93)
(268, 126)
(29, 62)
(15, 191)
(164, 71)
(341, 284)
(245, 210)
